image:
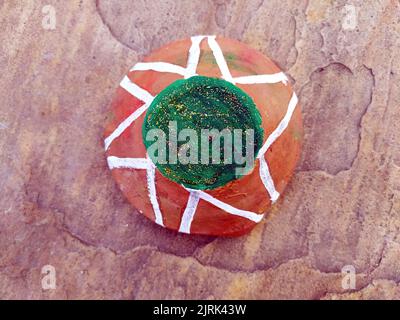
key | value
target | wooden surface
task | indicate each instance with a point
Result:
(59, 205)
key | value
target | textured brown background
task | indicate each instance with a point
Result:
(60, 206)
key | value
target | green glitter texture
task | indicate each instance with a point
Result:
(203, 103)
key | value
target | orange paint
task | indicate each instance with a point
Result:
(247, 193)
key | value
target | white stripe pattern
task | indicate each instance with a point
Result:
(228, 208)
(265, 174)
(194, 56)
(189, 212)
(147, 164)
(131, 163)
(266, 179)
(139, 93)
(281, 127)
(263, 78)
(151, 186)
(159, 67)
(219, 57)
(124, 125)
(136, 91)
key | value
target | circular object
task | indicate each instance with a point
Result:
(201, 103)
(205, 82)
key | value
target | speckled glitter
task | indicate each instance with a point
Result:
(203, 103)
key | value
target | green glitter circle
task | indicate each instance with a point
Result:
(201, 103)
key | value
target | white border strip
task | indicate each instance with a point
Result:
(219, 57)
(159, 67)
(228, 208)
(124, 124)
(194, 56)
(281, 127)
(189, 212)
(129, 163)
(267, 180)
(151, 186)
(136, 91)
(263, 78)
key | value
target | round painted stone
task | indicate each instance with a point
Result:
(196, 104)
(189, 88)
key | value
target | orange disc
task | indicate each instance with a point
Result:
(234, 208)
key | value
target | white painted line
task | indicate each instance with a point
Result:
(124, 124)
(151, 186)
(193, 57)
(189, 71)
(263, 78)
(228, 208)
(159, 67)
(189, 213)
(136, 91)
(281, 127)
(219, 57)
(129, 163)
(267, 180)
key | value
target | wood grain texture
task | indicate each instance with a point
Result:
(60, 206)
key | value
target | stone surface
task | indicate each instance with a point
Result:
(59, 205)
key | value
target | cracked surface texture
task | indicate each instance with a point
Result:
(59, 205)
